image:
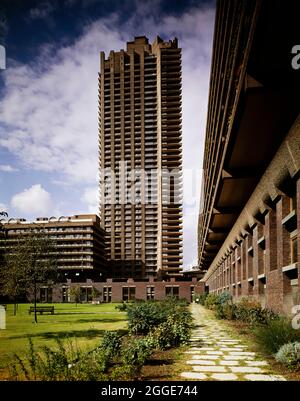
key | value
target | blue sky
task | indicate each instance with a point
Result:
(48, 98)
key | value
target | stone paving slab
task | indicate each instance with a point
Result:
(238, 357)
(205, 357)
(229, 363)
(245, 369)
(209, 368)
(215, 355)
(224, 376)
(194, 375)
(271, 378)
(200, 362)
(257, 363)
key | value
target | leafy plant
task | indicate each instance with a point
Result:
(228, 311)
(199, 298)
(175, 331)
(135, 354)
(65, 362)
(275, 334)
(224, 297)
(75, 293)
(211, 301)
(110, 346)
(289, 355)
(122, 307)
(143, 316)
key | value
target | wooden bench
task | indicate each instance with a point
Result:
(42, 309)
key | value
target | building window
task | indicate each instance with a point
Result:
(192, 292)
(106, 294)
(46, 295)
(86, 294)
(65, 294)
(128, 294)
(172, 291)
(150, 292)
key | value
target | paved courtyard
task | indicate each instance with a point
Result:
(214, 354)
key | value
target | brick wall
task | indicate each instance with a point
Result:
(262, 265)
(184, 288)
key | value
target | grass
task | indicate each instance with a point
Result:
(84, 323)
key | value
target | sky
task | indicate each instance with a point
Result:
(49, 98)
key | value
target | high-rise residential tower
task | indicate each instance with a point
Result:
(141, 158)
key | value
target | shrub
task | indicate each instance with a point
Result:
(122, 307)
(275, 334)
(199, 298)
(211, 301)
(65, 362)
(289, 355)
(110, 348)
(172, 333)
(135, 354)
(250, 311)
(143, 316)
(224, 297)
(111, 342)
(123, 372)
(247, 310)
(219, 310)
(229, 311)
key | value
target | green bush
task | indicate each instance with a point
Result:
(200, 298)
(65, 362)
(250, 311)
(228, 311)
(122, 307)
(289, 355)
(110, 348)
(143, 316)
(275, 334)
(211, 301)
(175, 331)
(224, 298)
(111, 342)
(247, 310)
(136, 352)
(219, 311)
(123, 372)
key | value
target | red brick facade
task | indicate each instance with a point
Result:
(118, 291)
(263, 262)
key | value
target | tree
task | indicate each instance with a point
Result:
(13, 277)
(96, 293)
(75, 292)
(41, 263)
(4, 214)
(28, 264)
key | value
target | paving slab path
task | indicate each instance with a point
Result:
(214, 353)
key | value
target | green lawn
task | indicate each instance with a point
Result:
(84, 324)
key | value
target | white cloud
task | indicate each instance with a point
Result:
(3, 208)
(91, 198)
(32, 201)
(56, 128)
(6, 168)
